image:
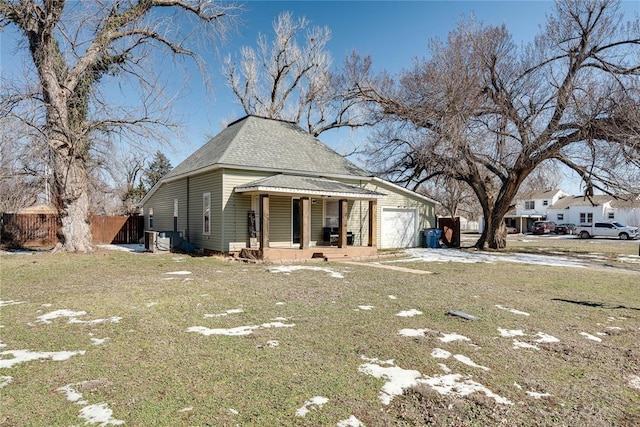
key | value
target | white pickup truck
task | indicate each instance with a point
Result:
(606, 229)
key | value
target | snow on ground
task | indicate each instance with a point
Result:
(226, 313)
(409, 313)
(399, 379)
(591, 337)
(288, 269)
(512, 310)
(6, 303)
(133, 247)
(456, 255)
(5, 380)
(238, 331)
(352, 421)
(99, 413)
(21, 356)
(73, 317)
(314, 401)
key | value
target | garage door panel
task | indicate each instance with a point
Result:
(398, 228)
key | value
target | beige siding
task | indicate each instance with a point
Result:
(317, 222)
(399, 199)
(162, 204)
(280, 221)
(235, 208)
(198, 185)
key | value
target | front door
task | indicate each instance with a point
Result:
(295, 220)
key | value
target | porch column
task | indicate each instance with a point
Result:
(305, 215)
(264, 221)
(373, 223)
(342, 223)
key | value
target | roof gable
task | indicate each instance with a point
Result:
(267, 144)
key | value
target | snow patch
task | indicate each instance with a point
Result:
(399, 379)
(412, 332)
(287, 269)
(453, 337)
(409, 313)
(512, 310)
(314, 401)
(99, 341)
(511, 332)
(179, 273)
(591, 337)
(11, 302)
(393, 297)
(352, 421)
(455, 255)
(5, 380)
(366, 307)
(238, 331)
(21, 356)
(464, 359)
(47, 318)
(546, 338)
(520, 344)
(187, 409)
(634, 381)
(536, 395)
(99, 413)
(439, 353)
(226, 313)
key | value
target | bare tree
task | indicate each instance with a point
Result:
(482, 111)
(76, 48)
(283, 79)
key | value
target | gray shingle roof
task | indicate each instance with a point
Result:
(307, 185)
(267, 144)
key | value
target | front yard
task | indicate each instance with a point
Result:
(116, 338)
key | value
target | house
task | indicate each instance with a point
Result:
(532, 208)
(585, 210)
(269, 189)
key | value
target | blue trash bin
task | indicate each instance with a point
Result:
(435, 242)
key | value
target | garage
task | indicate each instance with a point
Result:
(399, 228)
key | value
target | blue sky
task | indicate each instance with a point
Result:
(392, 32)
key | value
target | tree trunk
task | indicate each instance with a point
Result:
(494, 234)
(72, 200)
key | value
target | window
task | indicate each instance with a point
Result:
(150, 218)
(611, 215)
(560, 217)
(175, 208)
(206, 213)
(331, 213)
(586, 217)
(530, 204)
(545, 203)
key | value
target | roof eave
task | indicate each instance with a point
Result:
(258, 189)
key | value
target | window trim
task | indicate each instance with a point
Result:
(150, 218)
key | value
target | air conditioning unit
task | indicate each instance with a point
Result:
(150, 239)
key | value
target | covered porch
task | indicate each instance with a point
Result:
(330, 220)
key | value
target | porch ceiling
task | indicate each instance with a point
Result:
(309, 186)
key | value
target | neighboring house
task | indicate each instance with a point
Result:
(533, 208)
(268, 187)
(583, 210)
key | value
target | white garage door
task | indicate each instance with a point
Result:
(399, 228)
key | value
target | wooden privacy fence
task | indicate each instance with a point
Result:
(117, 229)
(40, 229)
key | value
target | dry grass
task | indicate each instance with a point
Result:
(151, 368)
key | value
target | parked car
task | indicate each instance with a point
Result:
(565, 228)
(607, 229)
(543, 227)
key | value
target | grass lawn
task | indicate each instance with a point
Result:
(170, 340)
